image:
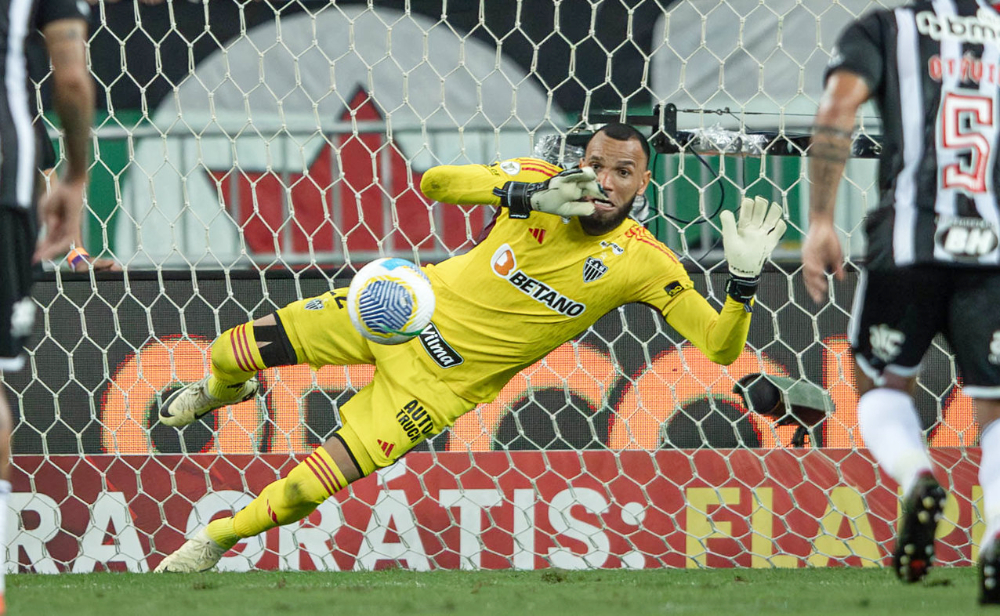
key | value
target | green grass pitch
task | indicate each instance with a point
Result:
(741, 592)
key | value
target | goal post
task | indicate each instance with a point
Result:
(253, 153)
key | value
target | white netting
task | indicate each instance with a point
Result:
(251, 151)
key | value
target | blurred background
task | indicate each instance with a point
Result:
(255, 134)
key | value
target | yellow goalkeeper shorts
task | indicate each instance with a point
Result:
(404, 404)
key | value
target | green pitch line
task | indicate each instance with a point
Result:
(487, 593)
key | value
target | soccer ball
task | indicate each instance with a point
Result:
(390, 301)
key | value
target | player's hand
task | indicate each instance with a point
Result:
(98, 265)
(563, 194)
(749, 242)
(821, 253)
(61, 212)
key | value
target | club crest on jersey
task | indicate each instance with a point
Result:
(593, 269)
(966, 239)
(886, 342)
(504, 264)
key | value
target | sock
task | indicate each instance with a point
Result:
(235, 359)
(989, 478)
(4, 497)
(310, 483)
(223, 532)
(891, 429)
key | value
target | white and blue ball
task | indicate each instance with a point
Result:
(390, 301)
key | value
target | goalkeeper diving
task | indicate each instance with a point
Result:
(561, 252)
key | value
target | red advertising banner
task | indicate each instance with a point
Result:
(492, 510)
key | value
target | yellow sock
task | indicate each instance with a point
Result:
(235, 359)
(223, 532)
(310, 483)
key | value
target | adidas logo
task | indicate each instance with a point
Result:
(386, 447)
(538, 234)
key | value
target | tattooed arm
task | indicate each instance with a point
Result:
(73, 96)
(73, 90)
(830, 149)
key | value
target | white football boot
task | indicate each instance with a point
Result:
(199, 553)
(192, 401)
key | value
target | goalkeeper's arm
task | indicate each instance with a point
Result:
(563, 194)
(464, 184)
(748, 243)
(720, 336)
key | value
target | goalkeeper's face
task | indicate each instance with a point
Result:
(621, 168)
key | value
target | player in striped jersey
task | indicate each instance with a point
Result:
(933, 263)
(561, 253)
(64, 25)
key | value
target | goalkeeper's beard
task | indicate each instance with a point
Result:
(601, 222)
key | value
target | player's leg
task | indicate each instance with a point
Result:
(895, 317)
(381, 423)
(6, 426)
(974, 335)
(326, 471)
(988, 416)
(17, 318)
(316, 331)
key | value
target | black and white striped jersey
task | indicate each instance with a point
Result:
(934, 70)
(18, 147)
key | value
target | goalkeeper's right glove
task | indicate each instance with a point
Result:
(561, 194)
(748, 244)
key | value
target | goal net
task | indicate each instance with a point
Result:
(253, 153)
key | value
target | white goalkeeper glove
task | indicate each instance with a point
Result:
(748, 243)
(561, 194)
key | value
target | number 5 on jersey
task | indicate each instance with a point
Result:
(967, 132)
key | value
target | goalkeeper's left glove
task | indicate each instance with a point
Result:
(748, 244)
(562, 194)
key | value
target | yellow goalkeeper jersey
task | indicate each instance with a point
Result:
(535, 283)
